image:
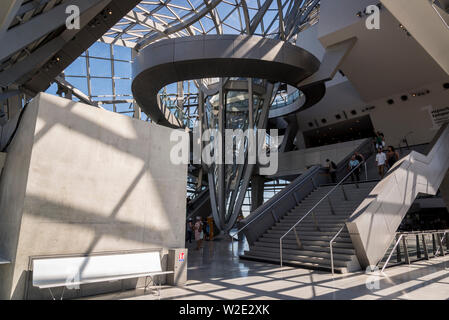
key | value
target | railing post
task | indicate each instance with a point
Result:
(418, 248)
(280, 251)
(434, 244)
(332, 258)
(404, 243)
(398, 250)
(426, 252)
(298, 241)
(447, 240)
(440, 243)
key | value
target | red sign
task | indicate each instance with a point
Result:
(181, 257)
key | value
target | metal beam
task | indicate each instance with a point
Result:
(8, 13)
(17, 73)
(175, 28)
(259, 16)
(21, 36)
(76, 92)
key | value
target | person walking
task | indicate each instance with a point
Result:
(199, 234)
(380, 140)
(392, 156)
(361, 159)
(354, 163)
(381, 159)
(332, 167)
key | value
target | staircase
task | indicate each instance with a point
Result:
(314, 233)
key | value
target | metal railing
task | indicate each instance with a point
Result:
(290, 192)
(311, 211)
(341, 229)
(331, 247)
(441, 235)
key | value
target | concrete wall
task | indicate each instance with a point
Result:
(81, 180)
(411, 117)
(433, 34)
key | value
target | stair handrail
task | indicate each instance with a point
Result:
(331, 242)
(308, 178)
(331, 249)
(314, 207)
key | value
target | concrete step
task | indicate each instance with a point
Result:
(299, 258)
(293, 263)
(314, 237)
(338, 255)
(309, 227)
(308, 233)
(322, 248)
(305, 242)
(340, 204)
(324, 219)
(315, 251)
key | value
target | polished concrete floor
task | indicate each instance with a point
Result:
(215, 272)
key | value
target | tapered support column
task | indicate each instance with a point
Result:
(257, 188)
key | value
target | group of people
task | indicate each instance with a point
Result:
(384, 160)
(356, 159)
(199, 230)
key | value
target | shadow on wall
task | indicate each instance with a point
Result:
(57, 222)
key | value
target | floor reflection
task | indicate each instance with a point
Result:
(215, 272)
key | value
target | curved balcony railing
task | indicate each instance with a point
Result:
(282, 102)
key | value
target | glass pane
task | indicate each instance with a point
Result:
(122, 53)
(101, 87)
(122, 69)
(77, 68)
(100, 49)
(100, 67)
(123, 87)
(79, 83)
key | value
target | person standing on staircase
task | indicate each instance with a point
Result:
(354, 163)
(332, 167)
(392, 156)
(381, 158)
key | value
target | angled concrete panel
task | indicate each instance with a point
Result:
(81, 180)
(373, 225)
